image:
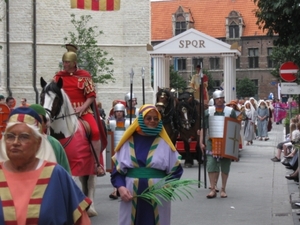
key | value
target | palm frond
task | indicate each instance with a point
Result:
(169, 189)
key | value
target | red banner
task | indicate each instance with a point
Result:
(97, 5)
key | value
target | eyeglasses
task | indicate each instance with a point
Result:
(23, 138)
(150, 118)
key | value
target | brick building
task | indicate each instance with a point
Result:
(230, 21)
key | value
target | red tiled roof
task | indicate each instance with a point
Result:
(209, 17)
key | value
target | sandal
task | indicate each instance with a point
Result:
(100, 172)
(223, 193)
(212, 194)
(113, 195)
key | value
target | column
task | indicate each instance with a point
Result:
(161, 74)
(229, 77)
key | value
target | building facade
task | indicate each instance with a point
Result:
(232, 22)
(32, 35)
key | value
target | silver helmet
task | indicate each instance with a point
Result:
(127, 98)
(218, 94)
(119, 107)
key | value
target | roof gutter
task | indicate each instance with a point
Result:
(7, 51)
(34, 54)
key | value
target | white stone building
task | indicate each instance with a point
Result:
(126, 34)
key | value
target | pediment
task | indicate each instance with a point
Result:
(193, 42)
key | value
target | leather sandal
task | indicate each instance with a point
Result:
(212, 194)
(100, 171)
(223, 193)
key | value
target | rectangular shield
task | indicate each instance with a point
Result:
(231, 137)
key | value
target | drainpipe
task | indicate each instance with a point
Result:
(34, 54)
(7, 51)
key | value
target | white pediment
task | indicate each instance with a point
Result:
(191, 43)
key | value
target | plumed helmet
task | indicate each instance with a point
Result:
(70, 55)
(119, 107)
(127, 97)
(218, 94)
(211, 102)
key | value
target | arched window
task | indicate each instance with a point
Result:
(182, 20)
(234, 25)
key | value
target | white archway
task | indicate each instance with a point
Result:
(194, 43)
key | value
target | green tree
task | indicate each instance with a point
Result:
(90, 56)
(176, 81)
(280, 17)
(245, 88)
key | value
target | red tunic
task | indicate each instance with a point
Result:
(79, 86)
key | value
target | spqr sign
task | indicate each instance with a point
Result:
(191, 44)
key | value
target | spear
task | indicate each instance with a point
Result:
(131, 84)
(143, 84)
(202, 114)
(200, 123)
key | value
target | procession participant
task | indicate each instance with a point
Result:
(279, 111)
(80, 88)
(262, 120)
(45, 151)
(249, 134)
(133, 102)
(118, 124)
(40, 180)
(57, 148)
(2, 99)
(10, 102)
(24, 102)
(215, 118)
(145, 146)
(195, 82)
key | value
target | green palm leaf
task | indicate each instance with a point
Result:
(169, 189)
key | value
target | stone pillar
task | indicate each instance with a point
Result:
(161, 74)
(229, 77)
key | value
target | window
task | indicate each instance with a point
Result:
(238, 63)
(179, 64)
(214, 63)
(182, 20)
(234, 31)
(271, 63)
(253, 57)
(196, 62)
(234, 25)
(180, 27)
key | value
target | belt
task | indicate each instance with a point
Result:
(144, 172)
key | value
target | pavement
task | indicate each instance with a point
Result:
(258, 193)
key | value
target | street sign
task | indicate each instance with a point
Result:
(290, 89)
(288, 71)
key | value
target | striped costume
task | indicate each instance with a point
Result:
(152, 157)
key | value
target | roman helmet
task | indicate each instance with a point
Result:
(127, 98)
(218, 94)
(70, 55)
(120, 107)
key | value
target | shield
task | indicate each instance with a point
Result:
(228, 146)
(232, 137)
